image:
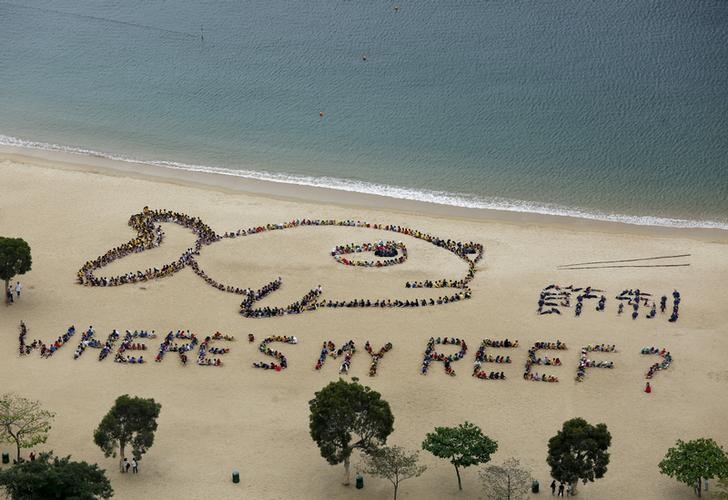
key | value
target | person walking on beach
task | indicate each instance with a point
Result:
(553, 487)
(126, 465)
(561, 489)
(9, 294)
(18, 288)
(134, 466)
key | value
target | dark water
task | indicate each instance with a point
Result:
(612, 109)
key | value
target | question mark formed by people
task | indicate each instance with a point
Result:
(654, 368)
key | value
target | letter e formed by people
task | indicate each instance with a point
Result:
(533, 360)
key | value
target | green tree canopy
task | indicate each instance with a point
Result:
(346, 416)
(579, 451)
(14, 259)
(463, 446)
(508, 481)
(23, 422)
(131, 420)
(394, 464)
(694, 461)
(53, 477)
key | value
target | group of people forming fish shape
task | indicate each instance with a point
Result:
(150, 235)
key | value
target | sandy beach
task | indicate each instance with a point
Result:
(217, 419)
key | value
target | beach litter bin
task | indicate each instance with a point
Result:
(6, 457)
(236, 476)
(359, 481)
(534, 486)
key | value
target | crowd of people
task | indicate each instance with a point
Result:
(553, 297)
(376, 356)
(601, 348)
(388, 249)
(282, 361)
(223, 336)
(108, 345)
(46, 351)
(170, 345)
(205, 348)
(529, 374)
(384, 303)
(329, 349)
(87, 340)
(662, 365)
(443, 283)
(306, 303)
(128, 344)
(150, 235)
(432, 355)
(585, 362)
(481, 357)
(636, 297)
(23, 347)
(675, 306)
(120, 358)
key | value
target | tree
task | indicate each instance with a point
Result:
(694, 461)
(464, 445)
(53, 477)
(507, 481)
(346, 416)
(579, 451)
(14, 259)
(131, 420)
(23, 421)
(393, 463)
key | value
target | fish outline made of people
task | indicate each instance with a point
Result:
(387, 253)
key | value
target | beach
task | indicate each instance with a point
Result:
(71, 209)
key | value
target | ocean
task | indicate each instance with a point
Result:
(608, 110)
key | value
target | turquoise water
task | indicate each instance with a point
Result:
(612, 109)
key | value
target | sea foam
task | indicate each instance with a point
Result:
(464, 200)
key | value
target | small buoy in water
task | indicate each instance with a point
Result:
(321, 114)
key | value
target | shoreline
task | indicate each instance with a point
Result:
(331, 196)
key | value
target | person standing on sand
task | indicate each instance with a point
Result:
(134, 466)
(561, 489)
(126, 465)
(553, 487)
(9, 294)
(18, 288)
